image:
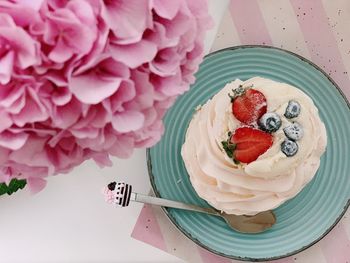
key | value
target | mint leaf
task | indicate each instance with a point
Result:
(12, 187)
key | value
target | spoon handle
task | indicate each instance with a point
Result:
(169, 203)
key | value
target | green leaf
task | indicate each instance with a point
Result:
(237, 92)
(229, 148)
(3, 188)
(236, 161)
(12, 187)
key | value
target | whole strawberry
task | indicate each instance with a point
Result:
(248, 105)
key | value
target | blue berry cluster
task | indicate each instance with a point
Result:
(271, 122)
(293, 132)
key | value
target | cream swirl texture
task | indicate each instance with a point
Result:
(270, 180)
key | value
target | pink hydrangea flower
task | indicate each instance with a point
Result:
(90, 79)
(18, 50)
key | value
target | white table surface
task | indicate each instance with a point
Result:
(70, 222)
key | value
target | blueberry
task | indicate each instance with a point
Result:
(292, 110)
(289, 148)
(294, 131)
(270, 122)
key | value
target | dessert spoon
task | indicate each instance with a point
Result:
(121, 194)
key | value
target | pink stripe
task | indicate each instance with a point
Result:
(147, 229)
(320, 40)
(284, 260)
(336, 245)
(250, 24)
(208, 257)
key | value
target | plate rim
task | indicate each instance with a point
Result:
(195, 240)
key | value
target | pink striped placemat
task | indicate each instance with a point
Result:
(316, 29)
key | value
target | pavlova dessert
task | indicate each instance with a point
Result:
(253, 146)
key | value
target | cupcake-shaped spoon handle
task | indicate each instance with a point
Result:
(121, 194)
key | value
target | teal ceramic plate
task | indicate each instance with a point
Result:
(303, 220)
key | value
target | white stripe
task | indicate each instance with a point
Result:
(216, 11)
(177, 244)
(311, 255)
(227, 35)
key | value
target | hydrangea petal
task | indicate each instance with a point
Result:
(13, 141)
(128, 19)
(6, 66)
(166, 8)
(91, 89)
(34, 4)
(123, 146)
(6, 121)
(146, 51)
(36, 184)
(127, 121)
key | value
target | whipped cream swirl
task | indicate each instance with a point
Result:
(266, 182)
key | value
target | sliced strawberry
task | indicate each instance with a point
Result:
(249, 107)
(250, 144)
